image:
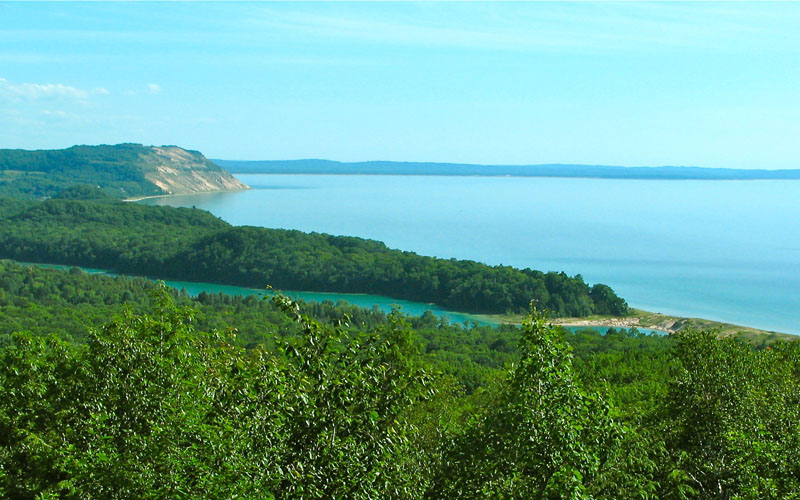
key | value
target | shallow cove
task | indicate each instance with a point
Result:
(385, 304)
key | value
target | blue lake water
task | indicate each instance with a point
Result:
(722, 250)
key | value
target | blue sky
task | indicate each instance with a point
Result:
(708, 84)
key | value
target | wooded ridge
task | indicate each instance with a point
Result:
(122, 171)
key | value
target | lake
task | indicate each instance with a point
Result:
(722, 250)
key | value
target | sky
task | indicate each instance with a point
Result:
(705, 84)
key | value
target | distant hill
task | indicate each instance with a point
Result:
(547, 170)
(122, 171)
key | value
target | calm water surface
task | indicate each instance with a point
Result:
(722, 250)
(385, 304)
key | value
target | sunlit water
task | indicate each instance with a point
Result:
(722, 250)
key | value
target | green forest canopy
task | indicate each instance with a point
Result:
(119, 170)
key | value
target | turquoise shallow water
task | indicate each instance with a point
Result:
(604, 329)
(722, 250)
(362, 300)
(385, 304)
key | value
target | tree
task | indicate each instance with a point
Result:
(152, 408)
(543, 437)
(733, 420)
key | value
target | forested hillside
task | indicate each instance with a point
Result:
(122, 171)
(138, 391)
(189, 244)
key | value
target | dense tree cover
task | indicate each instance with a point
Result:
(541, 436)
(193, 245)
(103, 158)
(151, 405)
(44, 173)
(83, 192)
(64, 302)
(734, 415)
(47, 301)
(151, 408)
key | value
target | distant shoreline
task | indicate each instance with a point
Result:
(656, 321)
(498, 176)
(327, 167)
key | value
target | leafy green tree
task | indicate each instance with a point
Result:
(347, 431)
(733, 418)
(606, 301)
(543, 437)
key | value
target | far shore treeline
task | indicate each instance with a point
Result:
(193, 245)
(329, 167)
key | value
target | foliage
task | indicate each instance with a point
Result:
(83, 192)
(151, 408)
(44, 173)
(543, 437)
(222, 397)
(734, 419)
(48, 301)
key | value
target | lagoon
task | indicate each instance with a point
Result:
(723, 250)
(385, 304)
